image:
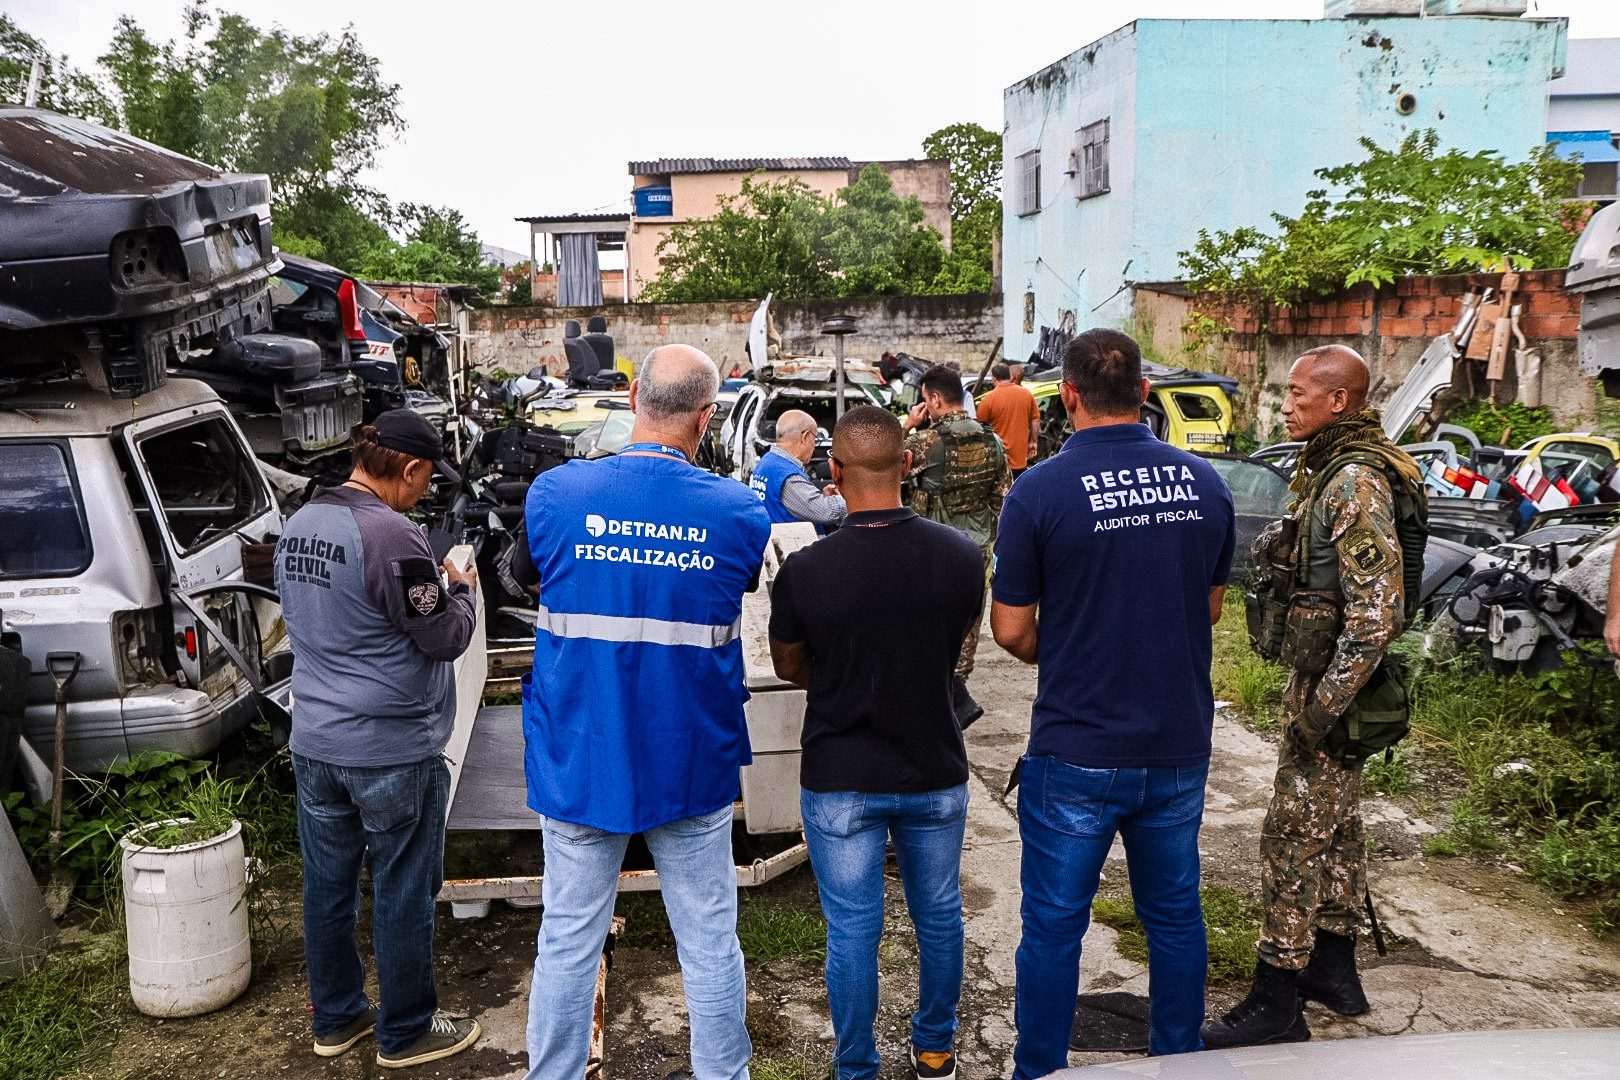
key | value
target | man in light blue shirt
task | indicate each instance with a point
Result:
(633, 714)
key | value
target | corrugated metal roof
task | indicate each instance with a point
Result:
(666, 166)
(587, 218)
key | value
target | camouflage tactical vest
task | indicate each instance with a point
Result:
(961, 482)
(1319, 559)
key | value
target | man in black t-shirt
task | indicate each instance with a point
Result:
(870, 621)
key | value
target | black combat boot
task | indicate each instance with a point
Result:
(967, 710)
(1270, 1014)
(1330, 978)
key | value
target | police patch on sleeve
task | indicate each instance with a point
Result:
(1365, 550)
(419, 583)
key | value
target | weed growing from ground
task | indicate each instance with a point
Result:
(1231, 919)
(768, 928)
(795, 1067)
(1541, 754)
(1388, 777)
(60, 1015)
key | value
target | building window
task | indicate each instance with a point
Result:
(1029, 182)
(1599, 180)
(1094, 159)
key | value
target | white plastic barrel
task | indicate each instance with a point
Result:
(187, 922)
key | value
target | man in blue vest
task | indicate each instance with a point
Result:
(633, 715)
(784, 486)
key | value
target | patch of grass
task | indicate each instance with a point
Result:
(61, 1014)
(796, 1067)
(1253, 685)
(646, 926)
(771, 930)
(1541, 755)
(1471, 833)
(1259, 684)
(1231, 919)
(1388, 777)
(768, 928)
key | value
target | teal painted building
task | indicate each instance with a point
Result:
(1119, 153)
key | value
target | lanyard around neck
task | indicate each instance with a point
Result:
(660, 449)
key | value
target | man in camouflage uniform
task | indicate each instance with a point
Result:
(1346, 554)
(958, 477)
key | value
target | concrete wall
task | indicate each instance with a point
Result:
(1390, 327)
(960, 328)
(1226, 120)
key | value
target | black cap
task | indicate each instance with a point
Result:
(410, 433)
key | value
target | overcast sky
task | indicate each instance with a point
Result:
(529, 109)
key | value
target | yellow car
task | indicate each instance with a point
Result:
(1189, 409)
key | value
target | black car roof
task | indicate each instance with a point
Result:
(43, 153)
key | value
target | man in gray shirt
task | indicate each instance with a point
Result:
(780, 481)
(374, 632)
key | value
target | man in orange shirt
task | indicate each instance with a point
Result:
(1012, 412)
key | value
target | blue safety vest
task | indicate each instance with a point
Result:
(633, 714)
(770, 474)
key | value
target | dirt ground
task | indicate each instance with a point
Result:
(1472, 947)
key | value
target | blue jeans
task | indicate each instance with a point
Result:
(846, 832)
(395, 815)
(698, 880)
(1067, 818)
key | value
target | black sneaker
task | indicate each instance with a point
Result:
(444, 1037)
(933, 1064)
(340, 1040)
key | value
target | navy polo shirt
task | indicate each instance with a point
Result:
(1119, 538)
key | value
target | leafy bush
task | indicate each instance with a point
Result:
(1407, 211)
(1542, 759)
(1504, 425)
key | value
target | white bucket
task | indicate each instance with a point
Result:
(187, 919)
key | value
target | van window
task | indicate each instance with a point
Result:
(205, 481)
(41, 517)
(1197, 406)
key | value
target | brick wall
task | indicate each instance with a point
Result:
(1390, 326)
(960, 328)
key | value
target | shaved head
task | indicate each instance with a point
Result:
(869, 447)
(1325, 385)
(1336, 367)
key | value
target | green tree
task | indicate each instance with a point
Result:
(439, 246)
(309, 111)
(878, 241)
(62, 87)
(1408, 211)
(782, 237)
(974, 153)
(765, 239)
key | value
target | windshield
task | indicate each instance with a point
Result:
(1256, 489)
(40, 514)
(616, 431)
(821, 407)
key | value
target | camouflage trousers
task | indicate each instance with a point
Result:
(1313, 852)
(970, 643)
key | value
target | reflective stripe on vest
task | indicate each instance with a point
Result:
(620, 628)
